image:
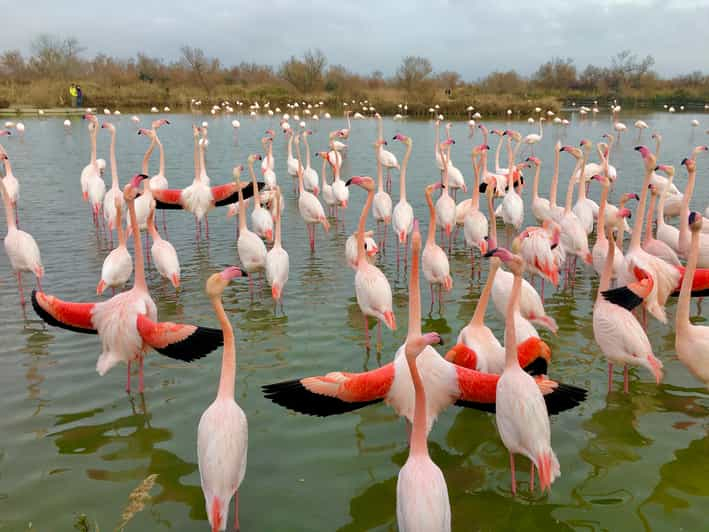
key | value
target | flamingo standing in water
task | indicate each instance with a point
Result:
(445, 206)
(269, 176)
(475, 224)
(520, 412)
(381, 209)
(95, 188)
(422, 503)
(371, 286)
(118, 264)
(445, 383)
(601, 247)
(402, 219)
(541, 208)
(163, 253)
(12, 185)
(436, 268)
(328, 195)
(20, 246)
(292, 162)
(114, 195)
(277, 261)
(261, 219)
(455, 176)
(617, 332)
(386, 158)
(650, 244)
(222, 434)
(127, 323)
(310, 176)
(250, 247)
(309, 206)
(573, 234)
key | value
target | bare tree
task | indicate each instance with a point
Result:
(413, 71)
(56, 57)
(200, 65)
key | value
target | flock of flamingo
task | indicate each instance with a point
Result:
(506, 378)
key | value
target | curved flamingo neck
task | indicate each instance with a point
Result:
(227, 378)
(323, 172)
(431, 236)
(478, 318)
(607, 273)
(600, 229)
(640, 213)
(650, 215)
(497, 154)
(554, 179)
(682, 320)
(146, 157)
(414, 327)
(94, 131)
(290, 146)
(582, 177)
(307, 152)
(300, 169)
(9, 211)
(570, 188)
(195, 155)
(8, 166)
(151, 227)
(139, 280)
(114, 165)
(684, 232)
(361, 256)
(535, 185)
(257, 194)
(510, 334)
(161, 149)
(476, 184)
(661, 202)
(202, 164)
(380, 128)
(444, 158)
(119, 226)
(493, 221)
(402, 175)
(510, 165)
(242, 204)
(419, 444)
(380, 173)
(277, 221)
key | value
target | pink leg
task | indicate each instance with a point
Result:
(237, 527)
(19, 284)
(531, 478)
(379, 336)
(625, 378)
(384, 240)
(206, 223)
(398, 252)
(440, 297)
(140, 375)
(164, 223)
(128, 380)
(542, 294)
(39, 283)
(433, 297)
(366, 332)
(610, 376)
(251, 287)
(512, 472)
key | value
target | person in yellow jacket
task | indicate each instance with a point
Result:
(73, 94)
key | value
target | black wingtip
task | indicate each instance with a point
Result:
(623, 297)
(51, 320)
(538, 366)
(197, 345)
(167, 206)
(482, 188)
(296, 397)
(564, 397)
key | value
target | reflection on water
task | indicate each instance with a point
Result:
(73, 443)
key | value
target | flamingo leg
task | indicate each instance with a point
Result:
(512, 472)
(379, 336)
(206, 223)
(19, 284)
(542, 294)
(366, 332)
(531, 478)
(164, 223)
(433, 297)
(237, 527)
(141, 387)
(610, 376)
(128, 379)
(625, 378)
(398, 252)
(251, 287)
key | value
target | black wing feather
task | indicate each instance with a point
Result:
(296, 397)
(197, 345)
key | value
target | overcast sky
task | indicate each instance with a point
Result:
(473, 37)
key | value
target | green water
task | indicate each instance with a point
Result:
(74, 443)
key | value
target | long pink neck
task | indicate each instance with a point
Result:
(535, 186)
(146, 157)
(300, 169)
(380, 171)
(8, 167)
(510, 166)
(139, 281)
(582, 177)
(361, 256)
(497, 153)
(114, 165)
(444, 158)
(402, 175)
(685, 293)
(684, 233)
(119, 226)
(277, 221)
(227, 379)
(162, 157)
(478, 318)
(607, 273)
(202, 164)
(151, 227)
(600, 229)
(307, 152)
(9, 211)
(419, 445)
(493, 222)
(257, 194)
(554, 180)
(414, 328)
(323, 172)
(510, 334)
(640, 213)
(476, 183)
(431, 237)
(242, 205)
(650, 216)
(195, 156)
(94, 131)
(570, 188)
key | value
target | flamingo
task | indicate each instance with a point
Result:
(277, 261)
(351, 250)
(533, 138)
(500, 180)
(556, 211)
(268, 163)
(292, 162)
(159, 181)
(339, 190)
(573, 234)
(250, 247)
(95, 165)
(309, 206)
(617, 332)
(328, 195)
(12, 185)
(381, 209)
(445, 383)
(541, 208)
(385, 157)
(600, 248)
(114, 195)
(144, 202)
(536, 247)
(512, 206)
(371, 286)
(692, 341)
(650, 244)
(127, 323)
(436, 268)
(455, 176)
(310, 176)
(118, 264)
(345, 132)
(20, 246)
(269, 176)
(665, 232)
(222, 434)
(163, 253)
(422, 503)
(261, 219)
(402, 219)
(520, 412)
(640, 125)
(475, 225)
(95, 188)
(684, 232)
(585, 208)
(445, 205)
(673, 199)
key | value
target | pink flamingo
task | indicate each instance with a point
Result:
(222, 435)
(371, 286)
(277, 261)
(20, 246)
(127, 323)
(521, 414)
(445, 383)
(114, 195)
(309, 205)
(12, 185)
(422, 502)
(601, 247)
(118, 264)
(402, 219)
(655, 247)
(436, 268)
(163, 253)
(617, 332)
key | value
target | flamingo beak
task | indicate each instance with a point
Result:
(232, 272)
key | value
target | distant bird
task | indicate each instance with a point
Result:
(277, 261)
(640, 125)
(118, 264)
(533, 138)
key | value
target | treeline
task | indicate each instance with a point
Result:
(42, 80)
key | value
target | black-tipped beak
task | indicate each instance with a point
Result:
(386, 143)
(482, 188)
(561, 149)
(490, 253)
(637, 148)
(554, 246)
(684, 162)
(656, 168)
(348, 182)
(692, 217)
(440, 340)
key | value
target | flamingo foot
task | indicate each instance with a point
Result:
(22, 292)
(531, 478)
(512, 472)
(141, 386)
(237, 527)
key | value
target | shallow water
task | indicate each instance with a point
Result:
(74, 443)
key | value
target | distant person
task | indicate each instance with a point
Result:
(79, 96)
(73, 94)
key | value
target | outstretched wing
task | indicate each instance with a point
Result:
(177, 340)
(533, 354)
(334, 393)
(700, 282)
(169, 198)
(229, 193)
(71, 316)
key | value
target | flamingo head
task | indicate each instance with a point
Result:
(131, 189)
(159, 123)
(5, 133)
(586, 144)
(402, 138)
(648, 157)
(380, 142)
(624, 213)
(628, 196)
(146, 132)
(414, 346)
(270, 133)
(90, 117)
(219, 281)
(514, 262)
(434, 186)
(603, 180)
(253, 157)
(690, 164)
(366, 182)
(534, 160)
(667, 168)
(698, 150)
(572, 150)
(695, 221)
(236, 172)
(448, 142)
(483, 128)
(109, 126)
(477, 150)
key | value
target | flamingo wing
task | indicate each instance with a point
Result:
(229, 193)
(700, 282)
(177, 340)
(533, 354)
(334, 393)
(71, 316)
(169, 198)
(633, 294)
